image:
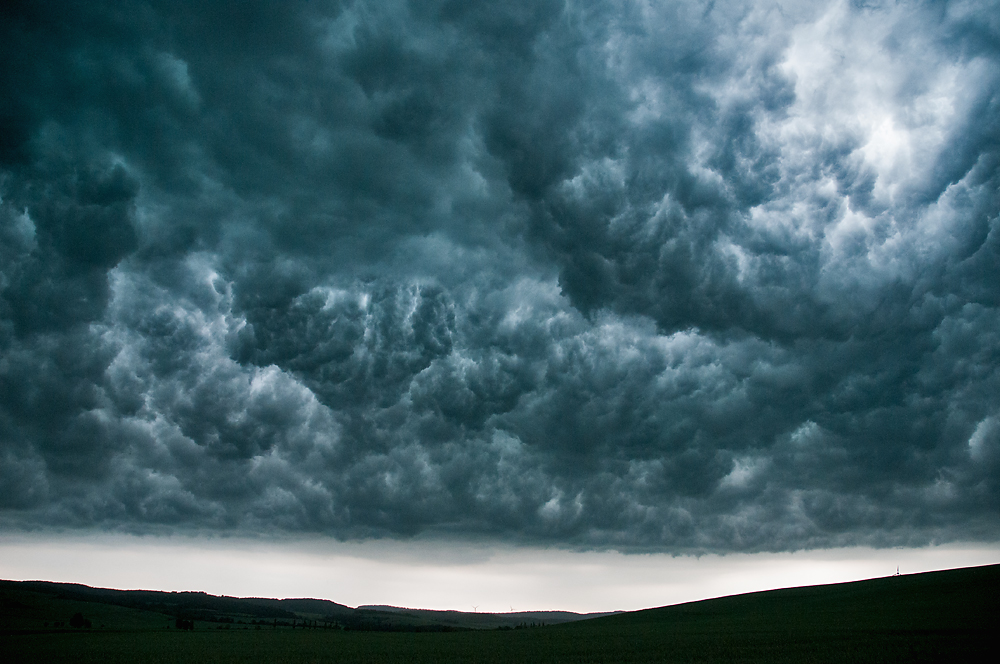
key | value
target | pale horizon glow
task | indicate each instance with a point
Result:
(449, 575)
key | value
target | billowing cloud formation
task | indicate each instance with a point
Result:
(662, 276)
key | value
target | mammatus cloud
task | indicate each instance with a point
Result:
(673, 277)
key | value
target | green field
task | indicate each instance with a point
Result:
(939, 616)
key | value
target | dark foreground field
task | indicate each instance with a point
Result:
(939, 616)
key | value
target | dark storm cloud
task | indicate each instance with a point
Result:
(671, 277)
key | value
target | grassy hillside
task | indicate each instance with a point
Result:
(937, 616)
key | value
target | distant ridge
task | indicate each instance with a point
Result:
(549, 617)
(202, 607)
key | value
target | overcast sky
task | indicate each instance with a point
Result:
(646, 277)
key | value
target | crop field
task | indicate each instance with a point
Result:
(939, 616)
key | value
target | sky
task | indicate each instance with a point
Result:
(540, 284)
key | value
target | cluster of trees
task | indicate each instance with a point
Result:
(183, 623)
(273, 623)
(522, 625)
(78, 620)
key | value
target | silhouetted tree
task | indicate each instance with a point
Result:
(78, 620)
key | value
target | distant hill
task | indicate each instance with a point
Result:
(206, 610)
(484, 620)
(199, 605)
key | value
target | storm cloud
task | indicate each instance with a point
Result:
(677, 276)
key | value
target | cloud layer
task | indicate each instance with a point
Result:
(650, 276)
